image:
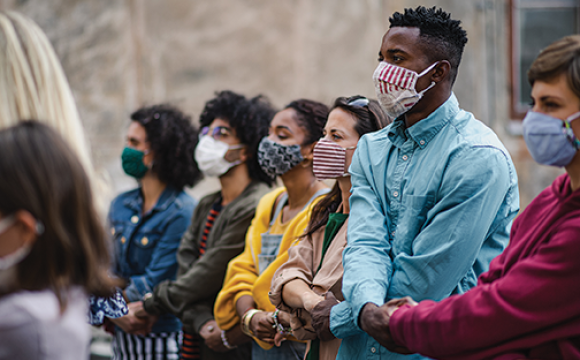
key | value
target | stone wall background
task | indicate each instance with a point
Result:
(122, 54)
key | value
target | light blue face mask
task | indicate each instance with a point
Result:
(551, 141)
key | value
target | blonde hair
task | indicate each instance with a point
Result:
(33, 85)
(560, 57)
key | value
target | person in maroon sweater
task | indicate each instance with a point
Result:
(527, 306)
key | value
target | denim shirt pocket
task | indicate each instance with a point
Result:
(411, 223)
(141, 251)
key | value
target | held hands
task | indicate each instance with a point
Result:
(211, 334)
(262, 326)
(137, 321)
(375, 320)
(321, 316)
(271, 327)
(286, 321)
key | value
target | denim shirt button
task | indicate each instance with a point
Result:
(373, 350)
(396, 193)
(134, 219)
(144, 241)
(123, 240)
(422, 142)
(405, 157)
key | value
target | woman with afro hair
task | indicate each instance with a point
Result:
(147, 223)
(232, 126)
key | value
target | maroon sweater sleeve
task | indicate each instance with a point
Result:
(534, 302)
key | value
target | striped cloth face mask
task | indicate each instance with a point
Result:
(329, 160)
(395, 88)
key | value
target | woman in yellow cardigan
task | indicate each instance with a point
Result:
(281, 217)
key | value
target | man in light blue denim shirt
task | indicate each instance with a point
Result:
(433, 194)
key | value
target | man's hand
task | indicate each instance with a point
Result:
(262, 325)
(375, 320)
(321, 317)
(211, 334)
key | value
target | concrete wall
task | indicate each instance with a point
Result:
(121, 54)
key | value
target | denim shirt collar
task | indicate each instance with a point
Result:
(168, 196)
(423, 131)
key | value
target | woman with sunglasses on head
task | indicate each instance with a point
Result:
(281, 217)
(53, 250)
(232, 127)
(527, 305)
(314, 266)
(147, 223)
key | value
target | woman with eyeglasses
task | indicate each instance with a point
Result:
(314, 266)
(527, 306)
(147, 223)
(232, 127)
(281, 217)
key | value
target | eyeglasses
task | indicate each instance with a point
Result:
(359, 102)
(218, 132)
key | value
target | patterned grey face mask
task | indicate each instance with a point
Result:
(276, 159)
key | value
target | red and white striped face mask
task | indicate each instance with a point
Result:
(329, 160)
(395, 88)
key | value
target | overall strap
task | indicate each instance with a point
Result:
(317, 194)
(279, 207)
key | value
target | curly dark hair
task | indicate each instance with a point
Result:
(442, 37)
(369, 118)
(250, 118)
(311, 115)
(173, 139)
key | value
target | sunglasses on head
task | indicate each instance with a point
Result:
(358, 102)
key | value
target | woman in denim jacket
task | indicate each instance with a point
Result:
(147, 223)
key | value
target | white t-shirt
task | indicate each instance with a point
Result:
(32, 327)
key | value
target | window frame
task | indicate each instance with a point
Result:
(517, 112)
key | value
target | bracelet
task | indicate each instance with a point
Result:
(246, 319)
(279, 327)
(225, 341)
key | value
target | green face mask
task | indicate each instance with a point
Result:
(132, 161)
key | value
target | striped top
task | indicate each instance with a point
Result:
(190, 348)
(215, 210)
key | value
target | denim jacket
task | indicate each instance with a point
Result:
(146, 245)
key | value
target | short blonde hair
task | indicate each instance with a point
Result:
(33, 84)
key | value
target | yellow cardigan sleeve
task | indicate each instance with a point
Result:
(242, 275)
(242, 270)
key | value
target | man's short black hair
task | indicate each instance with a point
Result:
(442, 37)
(250, 118)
